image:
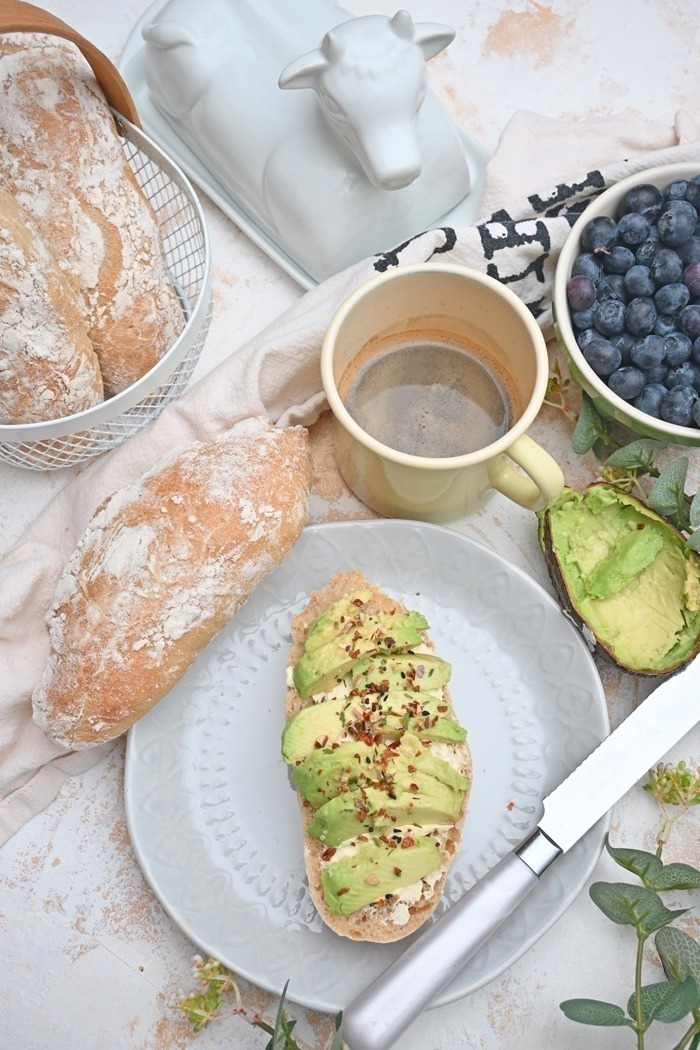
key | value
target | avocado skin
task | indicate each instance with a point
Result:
(345, 883)
(624, 564)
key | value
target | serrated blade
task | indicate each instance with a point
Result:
(621, 759)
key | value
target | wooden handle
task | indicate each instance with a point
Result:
(19, 17)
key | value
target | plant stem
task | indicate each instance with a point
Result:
(639, 1027)
(693, 1031)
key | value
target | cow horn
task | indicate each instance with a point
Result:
(333, 45)
(432, 38)
(402, 24)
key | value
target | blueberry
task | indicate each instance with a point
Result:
(671, 298)
(666, 267)
(639, 281)
(618, 259)
(647, 250)
(664, 324)
(585, 336)
(676, 222)
(675, 191)
(612, 286)
(609, 318)
(580, 292)
(696, 413)
(648, 351)
(632, 229)
(682, 375)
(650, 399)
(583, 319)
(656, 374)
(640, 316)
(691, 278)
(624, 342)
(678, 348)
(627, 382)
(689, 321)
(645, 198)
(599, 234)
(677, 406)
(602, 356)
(690, 251)
(692, 192)
(587, 265)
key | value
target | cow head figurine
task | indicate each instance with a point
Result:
(370, 78)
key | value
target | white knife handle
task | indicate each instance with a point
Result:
(380, 1014)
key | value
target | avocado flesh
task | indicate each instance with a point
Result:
(628, 575)
(331, 623)
(407, 672)
(372, 871)
(322, 668)
(328, 772)
(391, 714)
(373, 810)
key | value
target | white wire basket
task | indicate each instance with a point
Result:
(65, 442)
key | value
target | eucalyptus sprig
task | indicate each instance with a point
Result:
(642, 907)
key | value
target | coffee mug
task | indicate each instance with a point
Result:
(433, 373)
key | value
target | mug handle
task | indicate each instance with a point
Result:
(545, 480)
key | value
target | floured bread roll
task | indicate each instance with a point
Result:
(160, 569)
(47, 365)
(61, 158)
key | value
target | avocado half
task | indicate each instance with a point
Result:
(625, 576)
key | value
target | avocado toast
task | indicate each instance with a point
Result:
(378, 758)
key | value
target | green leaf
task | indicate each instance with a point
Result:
(590, 428)
(282, 1034)
(592, 1011)
(694, 510)
(667, 495)
(638, 455)
(633, 906)
(653, 872)
(679, 953)
(666, 1001)
(337, 1043)
(694, 541)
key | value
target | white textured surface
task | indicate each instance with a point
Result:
(90, 958)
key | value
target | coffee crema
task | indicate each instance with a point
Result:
(427, 395)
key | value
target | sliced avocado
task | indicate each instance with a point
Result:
(407, 672)
(326, 722)
(332, 622)
(371, 810)
(626, 576)
(377, 871)
(322, 668)
(328, 772)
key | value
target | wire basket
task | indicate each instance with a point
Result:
(74, 439)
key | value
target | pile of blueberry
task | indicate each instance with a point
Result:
(634, 298)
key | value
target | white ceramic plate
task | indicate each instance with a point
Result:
(212, 815)
(133, 69)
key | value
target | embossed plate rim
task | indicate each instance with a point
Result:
(365, 545)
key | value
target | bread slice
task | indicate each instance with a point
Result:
(161, 567)
(383, 920)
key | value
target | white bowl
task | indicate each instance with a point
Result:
(606, 402)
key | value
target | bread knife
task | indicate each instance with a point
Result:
(382, 1012)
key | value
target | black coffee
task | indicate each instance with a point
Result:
(428, 398)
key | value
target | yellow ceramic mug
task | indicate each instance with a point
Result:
(432, 310)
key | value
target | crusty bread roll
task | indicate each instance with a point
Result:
(61, 158)
(385, 920)
(47, 365)
(160, 569)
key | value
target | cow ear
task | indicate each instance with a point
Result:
(303, 71)
(432, 38)
(167, 34)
